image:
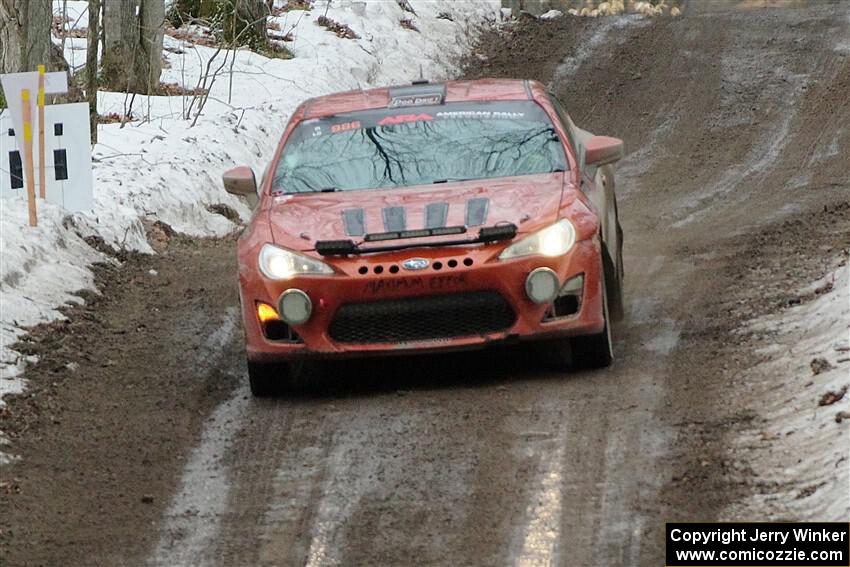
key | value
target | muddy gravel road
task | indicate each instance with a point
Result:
(140, 444)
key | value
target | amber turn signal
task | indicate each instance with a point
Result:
(266, 312)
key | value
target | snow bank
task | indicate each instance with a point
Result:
(159, 168)
(800, 448)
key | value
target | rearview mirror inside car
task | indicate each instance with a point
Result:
(602, 150)
(240, 181)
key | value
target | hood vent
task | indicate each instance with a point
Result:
(394, 219)
(476, 211)
(354, 222)
(436, 215)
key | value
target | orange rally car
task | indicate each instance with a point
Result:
(425, 218)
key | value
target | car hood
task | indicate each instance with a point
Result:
(529, 202)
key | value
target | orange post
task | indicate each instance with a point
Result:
(42, 180)
(25, 99)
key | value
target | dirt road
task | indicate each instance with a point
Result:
(140, 443)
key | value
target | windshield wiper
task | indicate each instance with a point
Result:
(321, 190)
(452, 180)
(487, 234)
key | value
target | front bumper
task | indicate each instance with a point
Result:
(378, 277)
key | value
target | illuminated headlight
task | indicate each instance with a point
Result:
(294, 306)
(554, 240)
(542, 285)
(281, 264)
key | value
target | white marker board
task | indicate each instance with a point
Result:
(67, 143)
(14, 83)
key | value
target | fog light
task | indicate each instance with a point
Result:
(294, 306)
(542, 285)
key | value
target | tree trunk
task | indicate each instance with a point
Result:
(245, 23)
(119, 36)
(148, 62)
(93, 35)
(25, 35)
(132, 54)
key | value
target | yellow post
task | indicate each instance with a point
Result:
(42, 180)
(25, 100)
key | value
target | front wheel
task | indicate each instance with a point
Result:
(595, 351)
(268, 380)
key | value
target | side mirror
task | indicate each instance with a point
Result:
(240, 181)
(602, 150)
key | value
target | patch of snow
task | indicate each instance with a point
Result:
(160, 168)
(572, 63)
(825, 151)
(543, 513)
(551, 15)
(665, 340)
(40, 268)
(640, 161)
(799, 449)
(6, 458)
(739, 73)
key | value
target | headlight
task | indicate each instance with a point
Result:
(280, 264)
(554, 240)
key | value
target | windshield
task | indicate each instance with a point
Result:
(418, 146)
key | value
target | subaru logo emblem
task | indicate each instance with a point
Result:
(415, 264)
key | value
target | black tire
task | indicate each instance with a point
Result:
(616, 309)
(268, 380)
(595, 351)
(552, 355)
(621, 269)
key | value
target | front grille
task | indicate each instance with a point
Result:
(422, 318)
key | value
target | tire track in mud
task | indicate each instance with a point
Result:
(542, 529)
(191, 520)
(610, 525)
(776, 110)
(357, 458)
(591, 43)
(120, 393)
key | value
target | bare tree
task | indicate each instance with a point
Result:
(120, 30)
(246, 19)
(25, 35)
(229, 20)
(148, 61)
(132, 54)
(93, 35)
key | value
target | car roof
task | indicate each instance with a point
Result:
(456, 91)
